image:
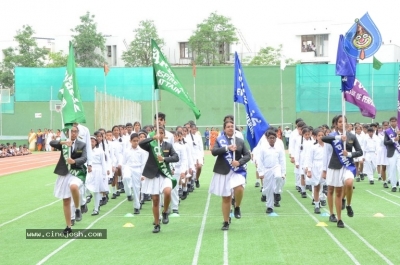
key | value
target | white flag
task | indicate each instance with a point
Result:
(283, 63)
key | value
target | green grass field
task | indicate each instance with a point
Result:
(195, 237)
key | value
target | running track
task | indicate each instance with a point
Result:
(17, 164)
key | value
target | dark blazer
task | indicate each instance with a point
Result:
(79, 155)
(151, 168)
(351, 142)
(242, 155)
(389, 145)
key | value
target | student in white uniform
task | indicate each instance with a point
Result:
(303, 143)
(104, 146)
(198, 153)
(118, 145)
(133, 162)
(179, 169)
(186, 185)
(97, 174)
(272, 169)
(382, 160)
(293, 138)
(359, 161)
(370, 148)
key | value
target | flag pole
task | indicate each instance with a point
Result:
(329, 100)
(51, 107)
(95, 107)
(157, 126)
(281, 100)
(105, 101)
(234, 127)
(372, 88)
(398, 100)
(343, 117)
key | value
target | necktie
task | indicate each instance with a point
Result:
(72, 147)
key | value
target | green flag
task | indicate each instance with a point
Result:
(165, 79)
(376, 63)
(72, 108)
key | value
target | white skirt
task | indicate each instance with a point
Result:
(62, 187)
(382, 158)
(96, 181)
(222, 185)
(337, 177)
(155, 186)
(316, 174)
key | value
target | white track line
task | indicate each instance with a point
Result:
(225, 247)
(383, 198)
(348, 253)
(391, 194)
(19, 217)
(19, 171)
(71, 240)
(200, 237)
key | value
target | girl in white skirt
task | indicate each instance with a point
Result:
(180, 169)
(97, 174)
(314, 168)
(382, 159)
(303, 143)
(232, 155)
(108, 163)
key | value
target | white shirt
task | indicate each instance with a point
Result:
(270, 157)
(197, 144)
(84, 136)
(98, 158)
(370, 144)
(135, 158)
(315, 154)
(293, 138)
(182, 165)
(300, 155)
(287, 133)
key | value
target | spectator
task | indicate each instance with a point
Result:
(287, 133)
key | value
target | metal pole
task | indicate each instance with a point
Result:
(372, 88)
(51, 108)
(281, 101)
(329, 100)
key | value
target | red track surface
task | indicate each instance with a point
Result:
(17, 164)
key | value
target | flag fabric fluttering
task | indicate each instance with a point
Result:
(72, 107)
(398, 101)
(256, 124)
(345, 66)
(165, 79)
(360, 97)
(106, 69)
(376, 64)
(283, 63)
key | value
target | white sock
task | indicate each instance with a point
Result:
(316, 204)
(97, 198)
(114, 189)
(303, 188)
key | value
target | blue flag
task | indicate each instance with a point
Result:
(256, 124)
(345, 65)
(364, 38)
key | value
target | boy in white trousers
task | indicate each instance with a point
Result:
(272, 169)
(370, 149)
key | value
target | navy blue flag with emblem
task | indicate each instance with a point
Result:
(345, 65)
(256, 124)
(363, 37)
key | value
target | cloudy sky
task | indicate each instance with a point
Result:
(258, 20)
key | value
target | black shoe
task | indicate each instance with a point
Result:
(237, 213)
(95, 212)
(304, 195)
(148, 197)
(362, 176)
(114, 196)
(180, 193)
(312, 203)
(277, 197)
(308, 187)
(175, 211)
(72, 222)
(276, 204)
(317, 210)
(78, 215)
(332, 218)
(122, 190)
(110, 181)
(397, 183)
(257, 185)
(380, 179)
(325, 189)
(233, 202)
(323, 203)
(156, 229)
(89, 198)
(197, 184)
(340, 224)
(350, 212)
(184, 195)
(189, 187)
(394, 189)
(371, 182)
(389, 181)
(343, 203)
(357, 179)
(84, 208)
(385, 185)
(225, 226)
(102, 202)
(67, 231)
(263, 198)
(269, 210)
(118, 193)
(130, 198)
(136, 211)
(298, 188)
(165, 219)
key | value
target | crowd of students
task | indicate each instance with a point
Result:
(8, 150)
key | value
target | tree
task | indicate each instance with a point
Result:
(57, 59)
(270, 56)
(26, 54)
(88, 43)
(139, 51)
(211, 39)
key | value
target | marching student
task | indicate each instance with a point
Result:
(67, 184)
(370, 148)
(133, 161)
(179, 169)
(303, 142)
(186, 185)
(392, 144)
(292, 143)
(98, 173)
(198, 153)
(382, 159)
(359, 161)
(157, 173)
(142, 135)
(104, 146)
(229, 171)
(272, 169)
(341, 170)
(118, 145)
(314, 168)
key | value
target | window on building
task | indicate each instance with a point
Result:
(108, 51)
(318, 44)
(185, 52)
